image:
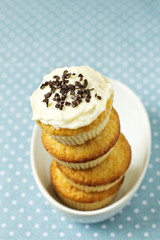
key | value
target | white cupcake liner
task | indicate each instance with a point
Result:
(87, 188)
(85, 165)
(83, 136)
(86, 206)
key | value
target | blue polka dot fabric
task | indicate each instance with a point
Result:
(121, 39)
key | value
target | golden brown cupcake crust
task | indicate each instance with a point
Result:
(64, 188)
(88, 151)
(111, 169)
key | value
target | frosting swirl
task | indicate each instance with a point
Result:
(77, 109)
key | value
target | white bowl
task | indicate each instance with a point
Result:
(136, 127)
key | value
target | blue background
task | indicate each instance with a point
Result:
(121, 39)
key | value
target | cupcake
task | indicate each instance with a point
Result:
(89, 154)
(72, 104)
(105, 175)
(79, 199)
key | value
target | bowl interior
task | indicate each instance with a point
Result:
(135, 126)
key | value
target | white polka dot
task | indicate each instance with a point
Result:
(21, 210)
(61, 234)
(112, 234)
(154, 226)
(29, 218)
(26, 166)
(63, 218)
(45, 234)
(38, 210)
(143, 187)
(150, 180)
(14, 139)
(78, 234)
(4, 159)
(155, 134)
(137, 226)
(28, 234)
(129, 234)
(53, 226)
(24, 180)
(5, 209)
(8, 179)
(3, 225)
(31, 187)
(10, 166)
(12, 153)
(14, 202)
(45, 218)
(11, 233)
(156, 146)
(95, 234)
(144, 202)
(120, 226)
(145, 218)
(151, 195)
(21, 146)
(70, 226)
(112, 219)
(6, 146)
(13, 217)
(146, 234)
(46, 202)
(103, 226)
(2, 173)
(8, 134)
(23, 195)
(136, 210)
(7, 194)
(36, 225)
(158, 173)
(17, 173)
(128, 219)
(30, 202)
(20, 225)
(153, 210)
(87, 226)
(10, 121)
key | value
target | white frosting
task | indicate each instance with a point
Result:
(69, 117)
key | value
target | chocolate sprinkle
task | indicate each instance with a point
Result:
(74, 104)
(78, 84)
(85, 84)
(72, 92)
(79, 100)
(46, 101)
(71, 87)
(80, 75)
(56, 77)
(78, 91)
(99, 97)
(87, 100)
(67, 103)
(47, 95)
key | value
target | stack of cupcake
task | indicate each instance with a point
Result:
(81, 131)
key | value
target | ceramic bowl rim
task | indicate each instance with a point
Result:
(113, 206)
